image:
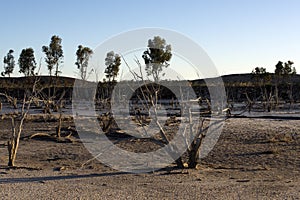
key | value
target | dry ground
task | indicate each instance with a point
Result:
(253, 159)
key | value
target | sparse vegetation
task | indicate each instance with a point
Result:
(263, 87)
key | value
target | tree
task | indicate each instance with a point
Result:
(54, 54)
(278, 75)
(83, 56)
(27, 62)
(288, 72)
(31, 92)
(147, 103)
(17, 123)
(288, 69)
(260, 74)
(9, 63)
(112, 62)
(262, 78)
(157, 56)
(284, 71)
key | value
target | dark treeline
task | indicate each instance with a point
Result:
(237, 86)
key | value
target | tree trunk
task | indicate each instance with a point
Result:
(11, 155)
(58, 129)
(194, 149)
(173, 149)
(13, 144)
(193, 156)
(291, 95)
(276, 96)
(15, 105)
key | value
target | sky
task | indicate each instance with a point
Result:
(238, 35)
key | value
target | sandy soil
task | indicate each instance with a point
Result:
(253, 159)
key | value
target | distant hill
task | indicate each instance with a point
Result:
(237, 84)
(18, 82)
(241, 79)
(244, 78)
(237, 78)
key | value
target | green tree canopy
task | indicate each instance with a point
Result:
(261, 74)
(284, 73)
(54, 54)
(9, 63)
(83, 55)
(288, 68)
(112, 62)
(279, 68)
(27, 62)
(157, 56)
(285, 69)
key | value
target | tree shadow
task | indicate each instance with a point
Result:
(53, 178)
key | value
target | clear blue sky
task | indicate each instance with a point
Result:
(238, 35)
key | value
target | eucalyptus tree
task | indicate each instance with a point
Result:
(54, 54)
(262, 79)
(9, 63)
(284, 73)
(278, 75)
(83, 55)
(112, 62)
(288, 72)
(27, 62)
(157, 56)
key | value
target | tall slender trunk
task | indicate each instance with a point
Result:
(13, 143)
(58, 128)
(291, 95)
(276, 95)
(194, 148)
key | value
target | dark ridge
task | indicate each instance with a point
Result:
(236, 85)
(69, 81)
(267, 117)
